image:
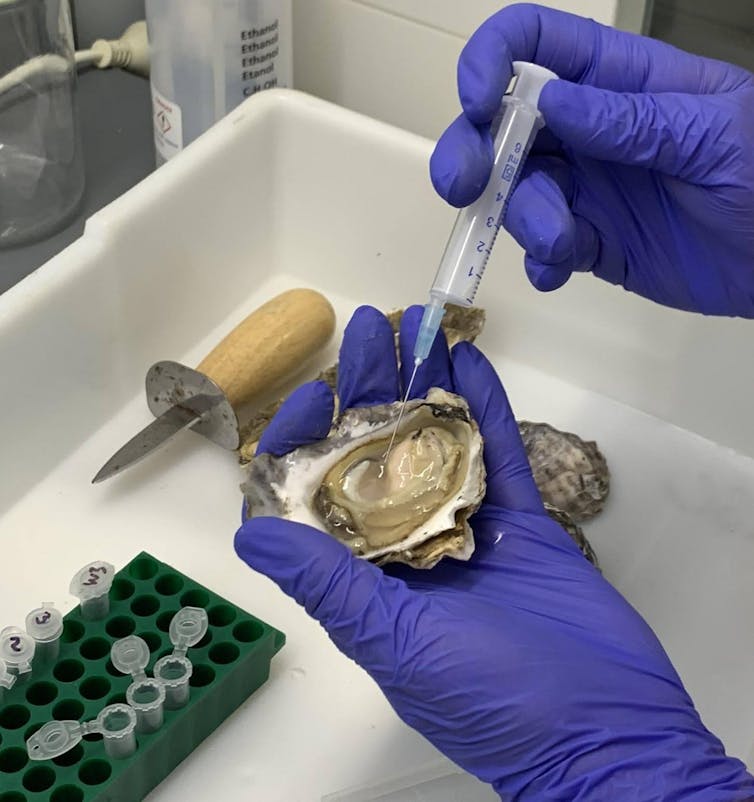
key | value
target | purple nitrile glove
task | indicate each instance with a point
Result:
(644, 174)
(523, 665)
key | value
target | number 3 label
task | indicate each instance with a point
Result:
(94, 572)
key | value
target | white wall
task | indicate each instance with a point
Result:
(396, 59)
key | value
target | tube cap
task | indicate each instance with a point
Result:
(187, 627)
(7, 679)
(45, 624)
(54, 739)
(92, 581)
(17, 649)
(130, 655)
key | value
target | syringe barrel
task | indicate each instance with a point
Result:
(476, 226)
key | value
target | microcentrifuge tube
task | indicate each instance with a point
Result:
(116, 724)
(147, 698)
(7, 680)
(91, 586)
(174, 672)
(45, 625)
(17, 650)
(188, 626)
(130, 656)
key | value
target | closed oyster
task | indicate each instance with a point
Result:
(412, 507)
(575, 531)
(571, 473)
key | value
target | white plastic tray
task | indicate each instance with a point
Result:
(291, 191)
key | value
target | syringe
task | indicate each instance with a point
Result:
(473, 235)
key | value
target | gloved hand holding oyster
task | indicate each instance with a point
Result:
(413, 507)
(522, 664)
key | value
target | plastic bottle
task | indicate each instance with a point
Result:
(207, 56)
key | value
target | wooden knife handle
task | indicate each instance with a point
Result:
(270, 345)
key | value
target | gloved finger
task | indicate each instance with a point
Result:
(367, 370)
(664, 132)
(583, 255)
(304, 417)
(510, 483)
(546, 278)
(461, 162)
(369, 616)
(538, 214)
(462, 159)
(435, 370)
(484, 71)
(557, 241)
(576, 49)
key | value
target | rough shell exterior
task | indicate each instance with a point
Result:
(571, 473)
(574, 530)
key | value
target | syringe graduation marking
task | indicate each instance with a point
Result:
(476, 228)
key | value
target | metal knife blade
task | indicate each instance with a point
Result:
(268, 347)
(156, 434)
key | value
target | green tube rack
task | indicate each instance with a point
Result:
(230, 663)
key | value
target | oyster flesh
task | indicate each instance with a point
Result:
(411, 508)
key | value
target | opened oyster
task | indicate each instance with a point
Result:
(411, 508)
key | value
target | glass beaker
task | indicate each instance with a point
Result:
(41, 165)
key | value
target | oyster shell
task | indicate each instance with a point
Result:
(571, 473)
(575, 531)
(412, 508)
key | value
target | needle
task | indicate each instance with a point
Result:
(417, 362)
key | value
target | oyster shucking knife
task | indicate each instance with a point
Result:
(265, 349)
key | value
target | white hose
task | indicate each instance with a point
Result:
(130, 52)
(31, 69)
(85, 57)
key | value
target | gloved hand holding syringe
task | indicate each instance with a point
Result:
(470, 244)
(473, 235)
